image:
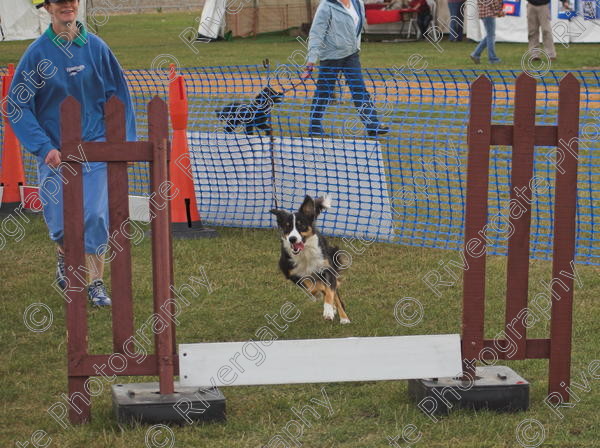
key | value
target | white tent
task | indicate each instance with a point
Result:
(583, 27)
(20, 19)
(212, 21)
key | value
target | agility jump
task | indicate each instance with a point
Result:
(383, 358)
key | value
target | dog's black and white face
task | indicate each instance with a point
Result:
(298, 228)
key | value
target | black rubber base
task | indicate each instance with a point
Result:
(497, 388)
(10, 208)
(142, 403)
(181, 230)
(7, 208)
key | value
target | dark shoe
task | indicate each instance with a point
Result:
(381, 129)
(475, 59)
(61, 276)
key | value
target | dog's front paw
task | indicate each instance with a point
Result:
(328, 311)
(344, 321)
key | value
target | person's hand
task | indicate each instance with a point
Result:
(308, 71)
(501, 13)
(53, 158)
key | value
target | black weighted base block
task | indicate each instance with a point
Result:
(141, 402)
(497, 388)
(181, 230)
(7, 208)
(16, 208)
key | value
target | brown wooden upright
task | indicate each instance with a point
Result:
(523, 136)
(117, 153)
(499, 387)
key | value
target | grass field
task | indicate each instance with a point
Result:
(241, 266)
(246, 285)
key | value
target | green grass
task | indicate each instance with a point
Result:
(138, 39)
(246, 285)
(242, 268)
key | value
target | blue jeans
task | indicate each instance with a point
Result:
(489, 40)
(456, 20)
(328, 73)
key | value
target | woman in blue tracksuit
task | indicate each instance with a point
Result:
(67, 60)
(335, 40)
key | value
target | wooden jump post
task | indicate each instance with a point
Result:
(117, 153)
(523, 136)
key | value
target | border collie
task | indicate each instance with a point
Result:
(308, 260)
(257, 114)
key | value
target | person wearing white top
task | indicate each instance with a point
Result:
(352, 10)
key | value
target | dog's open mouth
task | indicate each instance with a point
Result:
(297, 247)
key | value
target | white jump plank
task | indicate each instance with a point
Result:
(139, 208)
(319, 360)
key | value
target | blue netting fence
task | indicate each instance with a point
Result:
(407, 186)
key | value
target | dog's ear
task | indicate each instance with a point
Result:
(281, 216)
(321, 204)
(308, 207)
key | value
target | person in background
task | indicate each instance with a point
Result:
(538, 16)
(334, 39)
(456, 19)
(488, 11)
(67, 60)
(423, 14)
